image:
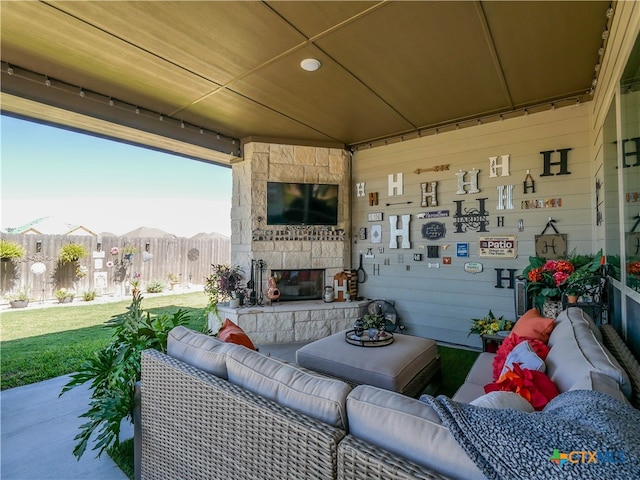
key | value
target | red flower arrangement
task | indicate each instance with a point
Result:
(547, 279)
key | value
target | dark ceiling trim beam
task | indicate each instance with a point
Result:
(49, 91)
(482, 17)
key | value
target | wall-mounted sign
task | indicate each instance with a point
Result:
(434, 214)
(473, 267)
(541, 203)
(498, 247)
(551, 246)
(376, 233)
(375, 217)
(462, 249)
(446, 260)
(433, 230)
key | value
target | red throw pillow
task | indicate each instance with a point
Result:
(232, 333)
(509, 344)
(532, 385)
(533, 325)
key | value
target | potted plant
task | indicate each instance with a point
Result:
(72, 252)
(19, 299)
(128, 251)
(490, 325)
(64, 295)
(372, 323)
(173, 280)
(223, 283)
(10, 250)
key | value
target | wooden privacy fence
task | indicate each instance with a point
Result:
(189, 260)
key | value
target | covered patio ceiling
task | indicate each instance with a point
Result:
(178, 75)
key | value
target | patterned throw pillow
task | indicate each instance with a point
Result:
(509, 344)
(524, 356)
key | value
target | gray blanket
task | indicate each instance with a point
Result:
(579, 435)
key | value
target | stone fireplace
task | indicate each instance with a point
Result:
(295, 248)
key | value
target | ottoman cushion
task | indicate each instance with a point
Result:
(391, 367)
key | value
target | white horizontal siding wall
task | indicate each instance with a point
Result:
(439, 302)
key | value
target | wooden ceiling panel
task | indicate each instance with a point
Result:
(99, 63)
(263, 122)
(546, 49)
(425, 72)
(315, 17)
(217, 40)
(330, 100)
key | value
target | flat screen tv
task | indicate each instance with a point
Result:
(302, 204)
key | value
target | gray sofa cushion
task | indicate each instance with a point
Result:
(314, 395)
(409, 428)
(575, 352)
(200, 350)
(600, 383)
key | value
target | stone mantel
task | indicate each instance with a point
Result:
(299, 321)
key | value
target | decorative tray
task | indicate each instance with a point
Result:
(365, 341)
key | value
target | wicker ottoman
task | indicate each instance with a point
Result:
(406, 366)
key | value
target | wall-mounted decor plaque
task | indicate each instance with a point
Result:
(462, 249)
(498, 247)
(473, 267)
(375, 217)
(433, 230)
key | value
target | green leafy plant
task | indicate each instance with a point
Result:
(64, 293)
(113, 371)
(223, 283)
(72, 252)
(155, 286)
(11, 250)
(89, 295)
(371, 320)
(490, 325)
(21, 295)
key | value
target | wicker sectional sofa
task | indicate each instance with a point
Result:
(216, 410)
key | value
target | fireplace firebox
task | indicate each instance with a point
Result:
(300, 284)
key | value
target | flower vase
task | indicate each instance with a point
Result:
(551, 308)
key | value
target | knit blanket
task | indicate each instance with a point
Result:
(579, 435)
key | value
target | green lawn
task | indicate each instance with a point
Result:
(38, 344)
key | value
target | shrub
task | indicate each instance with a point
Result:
(64, 293)
(89, 295)
(155, 286)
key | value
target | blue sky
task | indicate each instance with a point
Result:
(105, 185)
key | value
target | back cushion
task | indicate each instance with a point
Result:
(317, 396)
(200, 350)
(407, 427)
(575, 352)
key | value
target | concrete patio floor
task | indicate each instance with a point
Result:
(38, 430)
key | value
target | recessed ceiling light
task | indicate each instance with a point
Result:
(310, 64)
